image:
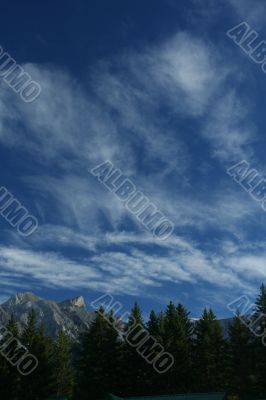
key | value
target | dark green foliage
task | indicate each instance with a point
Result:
(177, 339)
(109, 360)
(63, 371)
(37, 385)
(9, 377)
(260, 349)
(240, 357)
(100, 360)
(210, 354)
(134, 366)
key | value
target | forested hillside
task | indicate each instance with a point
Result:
(104, 362)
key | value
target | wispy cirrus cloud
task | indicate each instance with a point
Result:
(126, 264)
(144, 110)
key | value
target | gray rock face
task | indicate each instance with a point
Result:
(70, 316)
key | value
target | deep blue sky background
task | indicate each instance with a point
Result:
(159, 89)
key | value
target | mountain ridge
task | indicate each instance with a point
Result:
(70, 316)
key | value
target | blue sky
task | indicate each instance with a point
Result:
(158, 88)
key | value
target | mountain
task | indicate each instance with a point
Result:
(70, 316)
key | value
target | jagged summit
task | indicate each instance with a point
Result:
(29, 297)
(70, 316)
(75, 302)
(23, 297)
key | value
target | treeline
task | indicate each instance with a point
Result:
(54, 374)
(205, 361)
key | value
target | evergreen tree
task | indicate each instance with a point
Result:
(178, 342)
(260, 347)
(161, 328)
(154, 382)
(63, 372)
(29, 339)
(153, 324)
(4, 387)
(183, 353)
(44, 373)
(9, 375)
(110, 362)
(30, 332)
(261, 300)
(135, 375)
(171, 324)
(37, 385)
(240, 357)
(210, 354)
(98, 369)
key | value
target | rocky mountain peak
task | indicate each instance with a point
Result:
(23, 297)
(75, 302)
(70, 316)
(78, 301)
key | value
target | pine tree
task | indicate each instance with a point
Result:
(154, 382)
(9, 375)
(29, 337)
(110, 362)
(37, 385)
(261, 300)
(171, 324)
(240, 357)
(135, 375)
(161, 328)
(63, 372)
(30, 332)
(153, 324)
(98, 368)
(183, 353)
(210, 354)
(260, 348)
(178, 342)
(4, 387)
(44, 373)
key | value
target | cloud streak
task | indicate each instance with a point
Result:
(146, 111)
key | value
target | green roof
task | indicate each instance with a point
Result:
(187, 396)
(112, 397)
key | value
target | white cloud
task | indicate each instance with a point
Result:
(229, 130)
(187, 70)
(124, 116)
(126, 265)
